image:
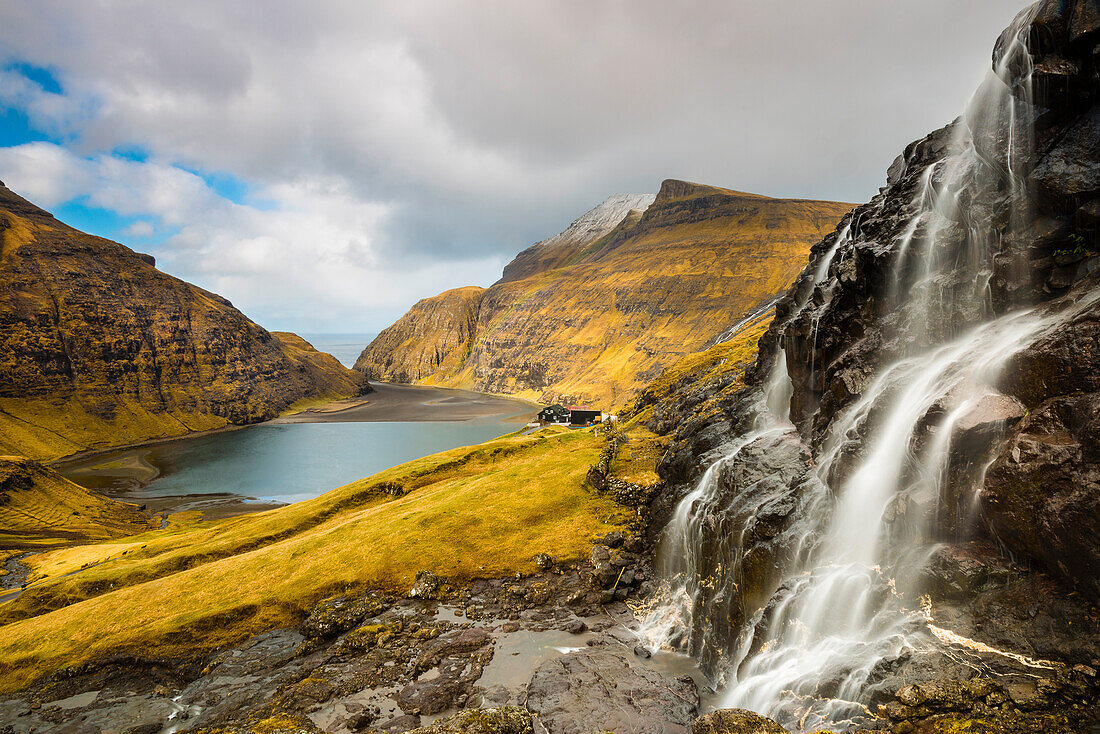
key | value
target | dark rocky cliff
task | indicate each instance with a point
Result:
(1041, 497)
(99, 348)
(1012, 532)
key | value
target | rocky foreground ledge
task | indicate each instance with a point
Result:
(555, 651)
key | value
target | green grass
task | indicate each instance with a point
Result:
(480, 511)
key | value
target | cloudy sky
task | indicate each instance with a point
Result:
(326, 164)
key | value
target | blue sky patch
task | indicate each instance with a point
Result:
(41, 76)
(107, 223)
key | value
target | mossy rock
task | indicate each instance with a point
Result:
(503, 720)
(365, 637)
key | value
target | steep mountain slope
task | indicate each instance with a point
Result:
(434, 336)
(558, 250)
(593, 318)
(99, 348)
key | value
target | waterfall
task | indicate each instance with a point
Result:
(852, 533)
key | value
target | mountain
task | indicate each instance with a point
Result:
(594, 313)
(558, 250)
(99, 348)
(434, 336)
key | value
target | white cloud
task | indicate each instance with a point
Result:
(308, 262)
(445, 135)
(140, 230)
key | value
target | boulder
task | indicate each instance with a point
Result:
(335, 616)
(503, 720)
(543, 561)
(425, 585)
(1041, 495)
(735, 721)
(601, 690)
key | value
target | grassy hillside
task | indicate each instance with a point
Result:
(698, 381)
(40, 509)
(476, 511)
(98, 348)
(616, 310)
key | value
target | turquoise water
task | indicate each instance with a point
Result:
(277, 462)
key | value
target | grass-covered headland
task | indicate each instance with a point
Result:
(481, 511)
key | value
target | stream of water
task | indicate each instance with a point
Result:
(861, 536)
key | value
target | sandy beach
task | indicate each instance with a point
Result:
(415, 403)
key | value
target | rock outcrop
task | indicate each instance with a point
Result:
(99, 348)
(1041, 495)
(570, 693)
(435, 336)
(593, 314)
(980, 230)
(503, 720)
(735, 721)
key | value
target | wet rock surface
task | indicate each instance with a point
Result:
(1025, 593)
(1060, 701)
(571, 693)
(480, 657)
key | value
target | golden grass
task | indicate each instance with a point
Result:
(730, 358)
(470, 512)
(51, 428)
(41, 509)
(636, 460)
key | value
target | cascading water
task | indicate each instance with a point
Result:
(793, 587)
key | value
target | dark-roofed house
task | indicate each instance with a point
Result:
(554, 414)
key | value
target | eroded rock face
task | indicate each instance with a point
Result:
(98, 347)
(593, 315)
(1042, 493)
(1040, 497)
(1020, 237)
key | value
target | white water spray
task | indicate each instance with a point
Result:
(863, 530)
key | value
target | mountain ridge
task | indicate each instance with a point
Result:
(99, 348)
(606, 312)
